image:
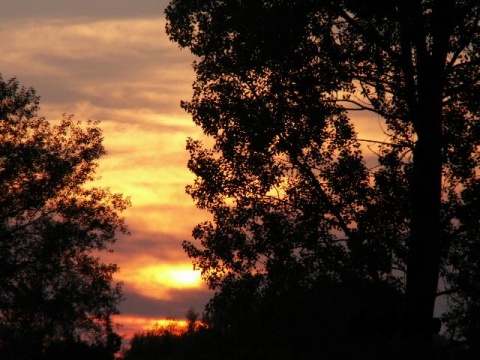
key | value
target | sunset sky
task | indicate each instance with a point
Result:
(110, 60)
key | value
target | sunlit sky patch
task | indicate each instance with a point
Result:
(155, 279)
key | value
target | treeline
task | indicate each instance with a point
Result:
(354, 320)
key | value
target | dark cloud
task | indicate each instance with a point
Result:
(182, 300)
(111, 64)
(164, 247)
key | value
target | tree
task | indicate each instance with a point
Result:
(286, 178)
(53, 226)
(192, 317)
(156, 343)
(170, 341)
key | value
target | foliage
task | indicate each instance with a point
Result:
(340, 321)
(294, 196)
(54, 289)
(192, 317)
(156, 343)
(168, 341)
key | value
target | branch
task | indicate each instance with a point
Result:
(365, 93)
(374, 81)
(17, 228)
(401, 269)
(447, 292)
(405, 61)
(368, 33)
(360, 105)
(382, 143)
(323, 196)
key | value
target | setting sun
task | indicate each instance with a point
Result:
(158, 281)
(176, 277)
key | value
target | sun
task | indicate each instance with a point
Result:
(160, 280)
(178, 277)
(172, 276)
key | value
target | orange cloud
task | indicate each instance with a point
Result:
(150, 278)
(123, 71)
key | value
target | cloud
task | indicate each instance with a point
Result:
(113, 65)
(150, 278)
(144, 307)
(111, 60)
(114, 9)
(155, 246)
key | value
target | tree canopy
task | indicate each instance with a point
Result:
(294, 195)
(55, 291)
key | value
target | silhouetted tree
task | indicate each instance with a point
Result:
(298, 324)
(54, 290)
(192, 317)
(286, 178)
(168, 341)
(151, 344)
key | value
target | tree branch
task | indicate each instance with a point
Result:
(321, 193)
(447, 292)
(382, 143)
(366, 32)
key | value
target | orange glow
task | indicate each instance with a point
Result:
(178, 277)
(154, 280)
(131, 325)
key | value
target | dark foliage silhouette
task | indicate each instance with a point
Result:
(151, 344)
(345, 320)
(170, 341)
(286, 180)
(56, 295)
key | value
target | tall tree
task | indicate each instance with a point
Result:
(286, 179)
(53, 226)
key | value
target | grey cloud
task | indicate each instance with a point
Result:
(130, 79)
(121, 68)
(182, 300)
(13, 9)
(162, 246)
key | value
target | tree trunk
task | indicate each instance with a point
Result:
(423, 257)
(423, 260)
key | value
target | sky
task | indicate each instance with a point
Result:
(110, 60)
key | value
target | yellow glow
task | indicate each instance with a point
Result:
(149, 279)
(134, 324)
(173, 277)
